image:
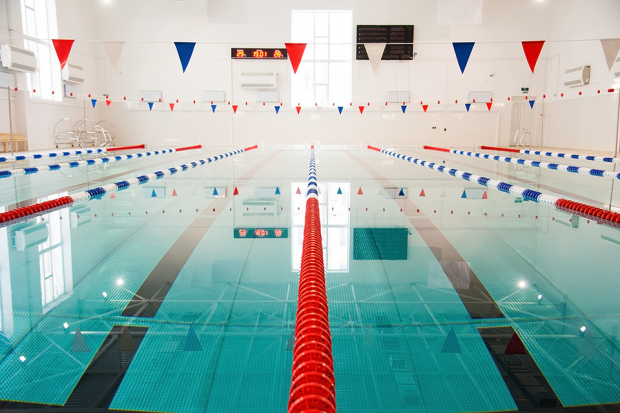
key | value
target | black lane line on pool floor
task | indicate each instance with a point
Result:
(474, 295)
(155, 287)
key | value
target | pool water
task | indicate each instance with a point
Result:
(177, 257)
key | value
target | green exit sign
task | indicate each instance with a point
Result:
(525, 89)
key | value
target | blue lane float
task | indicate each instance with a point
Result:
(554, 154)
(61, 154)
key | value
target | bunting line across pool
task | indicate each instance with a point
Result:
(528, 162)
(97, 161)
(588, 211)
(554, 154)
(24, 213)
(67, 153)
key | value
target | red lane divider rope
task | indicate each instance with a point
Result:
(313, 385)
(125, 148)
(496, 148)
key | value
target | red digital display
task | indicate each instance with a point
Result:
(261, 233)
(258, 53)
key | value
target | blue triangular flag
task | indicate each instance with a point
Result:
(339, 192)
(150, 105)
(451, 345)
(340, 109)
(531, 104)
(94, 102)
(153, 194)
(404, 108)
(401, 193)
(192, 343)
(277, 191)
(464, 194)
(463, 51)
(215, 191)
(467, 106)
(277, 109)
(185, 50)
(213, 108)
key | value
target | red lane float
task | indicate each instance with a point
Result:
(495, 148)
(313, 385)
(125, 148)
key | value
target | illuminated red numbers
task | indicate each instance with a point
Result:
(259, 54)
(278, 232)
(261, 233)
(240, 53)
(243, 233)
(277, 54)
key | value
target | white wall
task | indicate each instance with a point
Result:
(150, 61)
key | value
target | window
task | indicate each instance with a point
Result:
(324, 75)
(39, 27)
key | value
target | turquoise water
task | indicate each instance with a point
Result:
(403, 338)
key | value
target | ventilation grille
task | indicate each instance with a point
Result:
(213, 96)
(268, 193)
(151, 95)
(249, 80)
(398, 97)
(480, 97)
(267, 96)
(403, 35)
(395, 193)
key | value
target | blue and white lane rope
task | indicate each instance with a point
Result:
(527, 162)
(97, 161)
(313, 186)
(60, 154)
(555, 154)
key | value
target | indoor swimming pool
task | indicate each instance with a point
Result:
(428, 279)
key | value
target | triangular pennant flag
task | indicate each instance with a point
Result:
(443, 193)
(107, 102)
(532, 51)
(277, 191)
(467, 106)
(295, 53)
(185, 50)
(114, 50)
(425, 107)
(171, 106)
(402, 192)
(515, 346)
(63, 48)
(126, 342)
(153, 194)
(464, 194)
(463, 51)
(191, 341)
(235, 108)
(375, 53)
(298, 192)
(298, 109)
(484, 196)
(404, 108)
(359, 191)
(422, 192)
(339, 192)
(174, 192)
(150, 105)
(94, 102)
(451, 345)
(215, 192)
(340, 109)
(610, 49)
(489, 104)
(361, 109)
(79, 343)
(277, 108)
(112, 196)
(531, 103)
(213, 108)
(236, 192)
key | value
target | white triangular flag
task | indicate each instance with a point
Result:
(114, 50)
(610, 48)
(375, 52)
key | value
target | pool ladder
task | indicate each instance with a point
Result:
(519, 144)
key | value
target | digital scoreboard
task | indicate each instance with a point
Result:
(261, 232)
(236, 53)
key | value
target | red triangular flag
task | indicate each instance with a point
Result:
(532, 51)
(235, 108)
(63, 48)
(112, 196)
(295, 53)
(174, 192)
(424, 107)
(236, 191)
(298, 109)
(515, 346)
(361, 109)
(298, 191)
(171, 106)
(489, 104)
(422, 192)
(484, 196)
(107, 102)
(359, 191)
